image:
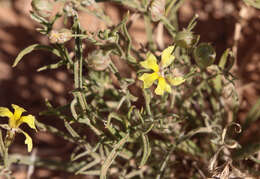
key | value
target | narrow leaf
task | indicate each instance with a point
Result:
(227, 60)
(146, 150)
(223, 59)
(32, 48)
(51, 66)
(252, 115)
(111, 157)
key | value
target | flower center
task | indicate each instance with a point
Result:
(161, 72)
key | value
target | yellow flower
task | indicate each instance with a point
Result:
(151, 63)
(16, 119)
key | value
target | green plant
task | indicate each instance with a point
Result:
(147, 133)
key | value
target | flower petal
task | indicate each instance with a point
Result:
(176, 80)
(12, 122)
(148, 79)
(5, 112)
(28, 141)
(30, 119)
(162, 86)
(167, 57)
(150, 62)
(17, 111)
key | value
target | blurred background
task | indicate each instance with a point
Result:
(224, 23)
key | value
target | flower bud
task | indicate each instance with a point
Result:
(70, 9)
(42, 7)
(185, 39)
(204, 55)
(98, 60)
(157, 9)
(60, 36)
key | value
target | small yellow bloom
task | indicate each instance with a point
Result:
(16, 119)
(151, 63)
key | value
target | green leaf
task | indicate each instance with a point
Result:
(227, 60)
(190, 147)
(252, 115)
(254, 3)
(111, 157)
(217, 82)
(225, 63)
(223, 59)
(193, 22)
(32, 48)
(52, 66)
(146, 150)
